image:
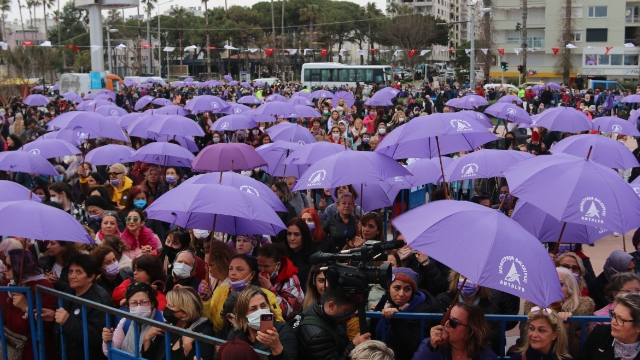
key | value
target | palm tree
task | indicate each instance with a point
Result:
(31, 4)
(180, 14)
(206, 29)
(21, 20)
(5, 6)
(369, 11)
(148, 7)
(273, 24)
(310, 13)
(46, 4)
(392, 8)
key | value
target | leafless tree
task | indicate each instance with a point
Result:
(563, 63)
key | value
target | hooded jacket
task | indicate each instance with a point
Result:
(317, 344)
(286, 287)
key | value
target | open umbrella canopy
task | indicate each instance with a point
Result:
(249, 100)
(234, 122)
(483, 164)
(206, 103)
(161, 102)
(143, 101)
(299, 100)
(92, 124)
(109, 154)
(128, 119)
(72, 97)
(510, 112)
(322, 94)
(269, 112)
(600, 149)
(491, 250)
(275, 154)
(468, 102)
(51, 148)
(306, 111)
(32, 220)
(235, 108)
(427, 171)
(175, 125)
(165, 154)
(380, 98)
(26, 162)
(510, 99)
(36, 100)
(615, 125)
(110, 110)
(291, 132)
(275, 97)
(631, 99)
(564, 119)
(12, 191)
(91, 105)
(554, 86)
(310, 153)
(236, 211)
(228, 156)
(170, 110)
(345, 96)
(379, 194)
(186, 142)
(478, 116)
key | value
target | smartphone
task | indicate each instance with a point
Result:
(266, 322)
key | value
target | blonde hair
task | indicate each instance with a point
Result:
(242, 306)
(577, 258)
(560, 344)
(454, 276)
(187, 300)
(121, 168)
(371, 350)
(374, 138)
(573, 301)
(343, 195)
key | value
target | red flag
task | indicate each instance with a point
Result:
(27, 43)
(608, 49)
(145, 46)
(268, 51)
(211, 48)
(411, 53)
(555, 50)
(501, 51)
(323, 52)
(73, 47)
(373, 50)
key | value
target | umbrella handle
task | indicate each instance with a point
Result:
(447, 315)
(24, 246)
(555, 251)
(624, 243)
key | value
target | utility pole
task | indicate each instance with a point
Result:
(149, 51)
(524, 41)
(472, 55)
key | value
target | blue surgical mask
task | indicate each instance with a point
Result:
(139, 203)
(311, 225)
(115, 182)
(94, 218)
(170, 179)
(58, 178)
(469, 288)
(239, 285)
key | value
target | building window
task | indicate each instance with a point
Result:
(513, 40)
(631, 60)
(597, 35)
(577, 36)
(597, 11)
(616, 59)
(632, 14)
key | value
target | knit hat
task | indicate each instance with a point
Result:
(407, 275)
(254, 239)
(95, 200)
(535, 136)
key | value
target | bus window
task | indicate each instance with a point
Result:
(343, 75)
(307, 74)
(326, 75)
(378, 75)
(115, 85)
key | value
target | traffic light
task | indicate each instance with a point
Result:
(521, 69)
(518, 26)
(503, 65)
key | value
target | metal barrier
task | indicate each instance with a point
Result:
(36, 342)
(503, 319)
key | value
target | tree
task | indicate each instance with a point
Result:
(525, 13)
(82, 61)
(20, 12)
(486, 41)
(5, 6)
(180, 15)
(206, 29)
(370, 11)
(46, 4)
(563, 63)
(310, 13)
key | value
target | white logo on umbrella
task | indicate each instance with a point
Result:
(35, 151)
(317, 177)
(636, 190)
(472, 99)
(516, 276)
(593, 210)
(237, 111)
(301, 142)
(83, 136)
(511, 111)
(616, 128)
(214, 105)
(114, 112)
(224, 125)
(250, 189)
(398, 179)
(461, 125)
(479, 116)
(534, 121)
(469, 170)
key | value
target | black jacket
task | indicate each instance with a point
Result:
(73, 329)
(431, 277)
(317, 344)
(287, 339)
(109, 285)
(535, 355)
(46, 263)
(599, 345)
(156, 350)
(596, 291)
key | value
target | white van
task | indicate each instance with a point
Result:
(143, 79)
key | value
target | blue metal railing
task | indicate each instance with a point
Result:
(36, 339)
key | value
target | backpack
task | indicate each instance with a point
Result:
(302, 319)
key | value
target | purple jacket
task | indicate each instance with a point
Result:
(424, 352)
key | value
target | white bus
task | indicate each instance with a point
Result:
(334, 74)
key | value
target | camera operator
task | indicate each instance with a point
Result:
(319, 331)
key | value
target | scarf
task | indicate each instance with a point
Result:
(101, 237)
(384, 325)
(146, 237)
(626, 351)
(128, 344)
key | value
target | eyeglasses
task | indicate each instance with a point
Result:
(131, 219)
(562, 283)
(545, 311)
(134, 303)
(573, 268)
(114, 174)
(453, 323)
(617, 319)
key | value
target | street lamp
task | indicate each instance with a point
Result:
(109, 31)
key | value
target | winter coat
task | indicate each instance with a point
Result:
(287, 339)
(317, 344)
(599, 345)
(426, 352)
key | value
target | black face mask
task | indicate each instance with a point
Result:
(170, 316)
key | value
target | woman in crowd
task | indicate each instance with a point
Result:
(621, 284)
(175, 242)
(321, 241)
(617, 262)
(172, 177)
(342, 226)
(546, 337)
(316, 131)
(14, 305)
(284, 194)
(155, 188)
(327, 209)
(139, 199)
(572, 262)
(184, 310)
(108, 226)
(316, 285)
(243, 271)
(118, 246)
(118, 186)
(466, 333)
(299, 247)
(246, 244)
(61, 194)
(219, 264)
(621, 338)
(370, 228)
(14, 142)
(357, 130)
(403, 296)
(280, 340)
(372, 350)
(147, 269)
(111, 276)
(55, 262)
(141, 301)
(139, 237)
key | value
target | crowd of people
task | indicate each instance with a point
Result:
(219, 285)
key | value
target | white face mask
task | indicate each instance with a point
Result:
(382, 131)
(142, 311)
(112, 269)
(336, 137)
(181, 271)
(55, 199)
(254, 318)
(201, 234)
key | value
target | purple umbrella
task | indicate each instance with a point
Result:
(615, 125)
(206, 103)
(143, 101)
(379, 194)
(349, 167)
(188, 80)
(51, 148)
(94, 125)
(26, 162)
(111, 110)
(72, 97)
(225, 157)
(233, 83)
(242, 183)
(420, 137)
(306, 111)
(170, 110)
(492, 250)
(12, 191)
(599, 149)
(554, 86)
(161, 102)
(130, 82)
(250, 100)
(299, 100)
(90, 96)
(304, 94)
(109, 93)
(72, 136)
(275, 97)
(227, 77)
(631, 99)
(186, 142)
(345, 96)
(483, 164)
(32, 220)
(165, 154)
(258, 83)
(390, 90)
(509, 99)
(576, 190)
(426, 171)
(275, 154)
(234, 122)
(144, 86)
(175, 125)
(55, 87)
(234, 212)
(564, 119)
(235, 108)
(322, 94)
(290, 132)
(91, 105)
(268, 112)
(177, 84)
(246, 85)
(128, 119)
(71, 119)
(608, 103)
(109, 154)
(478, 116)
(539, 87)
(381, 98)
(102, 97)
(547, 229)
(36, 100)
(310, 153)
(140, 126)
(510, 112)
(468, 102)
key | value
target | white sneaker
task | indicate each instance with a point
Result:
(616, 234)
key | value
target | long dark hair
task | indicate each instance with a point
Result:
(31, 267)
(307, 241)
(477, 328)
